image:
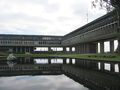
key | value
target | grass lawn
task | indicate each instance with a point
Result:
(107, 56)
(84, 56)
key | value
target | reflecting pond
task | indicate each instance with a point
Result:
(56, 73)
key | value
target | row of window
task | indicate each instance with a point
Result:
(12, 37)
(27, 68)
(28, 42)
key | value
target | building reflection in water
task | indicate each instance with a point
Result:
(95, 75)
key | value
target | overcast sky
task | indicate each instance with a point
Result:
(45, 17)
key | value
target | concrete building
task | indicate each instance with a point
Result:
(83, 40)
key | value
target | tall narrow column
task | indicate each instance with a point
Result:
(64, 60)
(29, 49)
(70, 49)
(64, 49)
(96, 47)
(49, 49)
(118, 48)
(102, 66)
(78, 49)
(112, 67)
(102, 47)
(87, 48)
(83, 48)
(20, 49)
(112, 46)
(49, 60)
(25, 49)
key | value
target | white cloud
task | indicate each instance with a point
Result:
(49, 17)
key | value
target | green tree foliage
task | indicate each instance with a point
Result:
(103, 4)
(115, 3)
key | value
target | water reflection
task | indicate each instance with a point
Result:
(60, 82)
(95, 75)
(11, 63)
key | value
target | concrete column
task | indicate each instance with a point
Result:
(70, 61)
(29, 49)
(64, 49)
(102, 47)
(49, 49)
(83, 48)
(118, 48)
(96, 47)
(102, 66)
(87, 48)
(21, 50)
(25, 49)
(119, 67)
(16, 50)
(70, 49)
(49, 61)
(112, 46)
(77, 49)
(112, 67)
(64, 60)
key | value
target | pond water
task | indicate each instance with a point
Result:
(56, 73)
(49, 82)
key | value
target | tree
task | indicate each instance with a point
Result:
(116, 4)
(109, 5)
(103, 4)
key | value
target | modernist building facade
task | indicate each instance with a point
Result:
(83, 40)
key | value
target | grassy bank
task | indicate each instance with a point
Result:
(84, 56)
(115, 57)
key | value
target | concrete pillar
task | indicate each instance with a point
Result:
(29, 49)
(21, 50)
(76, 49)
(70, 49)
(70, 61)
(112, 46)
(118, 48)
(102, 66)
(102, 47)
(83, 48)
(119, 67)
(64, 60)
(16, 50)
(87, 48)
(49, 49)
(112, 67)
(25, 49)
(79, 49)
(49, 60)
(64, 49)
(96, 47)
